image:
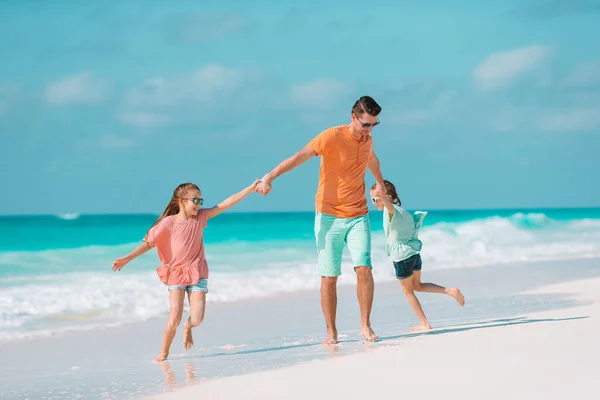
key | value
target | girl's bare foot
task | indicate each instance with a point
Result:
(188, 341)
(458, 296)
(368, 334)
(332, 338)
(420, 328)
(161, 358)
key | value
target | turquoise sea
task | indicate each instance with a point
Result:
(55, 271)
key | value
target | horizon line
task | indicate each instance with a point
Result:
(304, 211)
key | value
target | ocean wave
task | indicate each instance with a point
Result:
(60, 290)
(87, 300)
(68, 216)
(519, 238)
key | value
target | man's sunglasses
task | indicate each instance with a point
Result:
(367, 124)
(196, 200)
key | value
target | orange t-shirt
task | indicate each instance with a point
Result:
(344, 160)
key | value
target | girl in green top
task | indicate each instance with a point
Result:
(403, 248)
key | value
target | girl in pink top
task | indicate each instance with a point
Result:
(178, 237)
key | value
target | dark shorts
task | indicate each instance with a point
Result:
(405, 268)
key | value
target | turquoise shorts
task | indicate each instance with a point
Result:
(201, 286)
(333, 233)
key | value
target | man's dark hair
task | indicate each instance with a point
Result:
(366, 104)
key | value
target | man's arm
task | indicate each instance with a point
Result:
(286, 165)
(375, 170)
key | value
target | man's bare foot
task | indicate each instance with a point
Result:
(458, 296)
(332, 338)
(188, 341)
(161, 358)
(421, 328)
(368, 334)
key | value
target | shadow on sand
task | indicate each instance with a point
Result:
(438, 331)
(482, 325)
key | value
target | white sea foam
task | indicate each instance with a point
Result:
(91, 295)
(68, 216)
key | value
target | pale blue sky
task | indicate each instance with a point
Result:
(106, 106)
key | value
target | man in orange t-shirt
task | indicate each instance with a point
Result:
(341, 206)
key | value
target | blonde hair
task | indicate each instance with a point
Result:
(173, 206)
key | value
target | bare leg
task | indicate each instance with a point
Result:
(364, 291)
(415, 304)
(329, 305)
(197, 306)
(176, 298)
(433, 288)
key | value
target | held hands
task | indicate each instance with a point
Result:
(120, 263)
(254, 185)
(264, 187)
(380, 189)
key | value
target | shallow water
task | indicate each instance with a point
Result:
(262, 334)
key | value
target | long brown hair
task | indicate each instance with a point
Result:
(391, 191)
(173, 206)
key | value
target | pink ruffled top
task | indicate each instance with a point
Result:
(180, 247)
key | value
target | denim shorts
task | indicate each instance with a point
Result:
(201, 286)
(405, 268)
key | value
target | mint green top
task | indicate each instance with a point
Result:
(402, 233)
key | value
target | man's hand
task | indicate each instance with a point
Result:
(264, 186)
(380, 188)
(254, 185)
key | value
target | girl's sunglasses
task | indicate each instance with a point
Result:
(196, 200)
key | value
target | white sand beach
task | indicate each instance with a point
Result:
(546, 355)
